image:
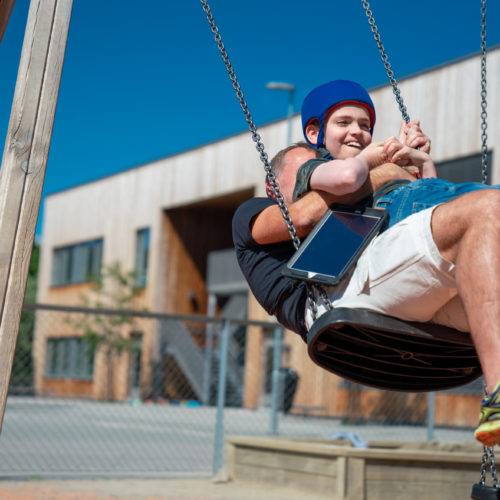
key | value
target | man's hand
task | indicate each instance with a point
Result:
(269, 190)
(410, 134)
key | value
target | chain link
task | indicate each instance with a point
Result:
(385, 60)
(312, 302)
(493, 468)
(484, 466)
(488, 458)
(253, 129)
(484, 136)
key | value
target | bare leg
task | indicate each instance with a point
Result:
(467, 233)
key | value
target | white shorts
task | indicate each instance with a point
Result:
(402, 274)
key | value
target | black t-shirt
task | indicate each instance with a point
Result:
(262, 264)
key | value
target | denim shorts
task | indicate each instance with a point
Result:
(421, 194)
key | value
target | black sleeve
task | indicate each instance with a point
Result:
(304, 175)
(262, 265)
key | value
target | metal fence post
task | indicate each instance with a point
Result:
(221, 399)
(209, 342)
(276, 386)
(430, 416)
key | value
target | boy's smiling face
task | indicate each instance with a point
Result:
(347, 131)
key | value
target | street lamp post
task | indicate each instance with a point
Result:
(291, 91)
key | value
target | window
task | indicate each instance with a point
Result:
(466, 169)
(77, 263)
(141, 257)
(69, 357)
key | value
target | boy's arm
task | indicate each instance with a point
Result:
(269, 227)
(339, 176)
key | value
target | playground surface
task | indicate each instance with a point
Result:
(147, 489)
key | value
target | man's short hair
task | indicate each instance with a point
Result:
(277, 161)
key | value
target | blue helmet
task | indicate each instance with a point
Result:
(323, 99)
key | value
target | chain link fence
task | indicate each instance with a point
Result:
(102, 393)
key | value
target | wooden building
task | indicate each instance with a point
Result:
(175, 215)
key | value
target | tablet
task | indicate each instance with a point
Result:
(334, 245)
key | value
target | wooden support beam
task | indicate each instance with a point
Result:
(6, 7)
(24, 161)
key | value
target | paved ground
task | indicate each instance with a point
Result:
(169, 489)
(65, 439)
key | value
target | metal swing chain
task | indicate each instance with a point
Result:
(263, 156)
(253, 129)
(488, 453)
(493, 469)
(488, 457)
(385, 59)
(484, 466)
(484, 137)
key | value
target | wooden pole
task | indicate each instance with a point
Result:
(6, 7)
(24, 162)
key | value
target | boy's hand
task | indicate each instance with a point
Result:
(410, 134)
(406, 156)
(374, 154)
(396, 152)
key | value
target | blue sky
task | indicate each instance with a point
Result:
(144, 80)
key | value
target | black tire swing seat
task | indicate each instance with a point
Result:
(391, 354)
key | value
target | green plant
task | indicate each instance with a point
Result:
(113, 292)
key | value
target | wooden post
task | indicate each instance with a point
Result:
(5, 11)
(24, 162)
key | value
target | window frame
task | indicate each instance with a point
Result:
(77, 263)
(68, 358)
(141, 260)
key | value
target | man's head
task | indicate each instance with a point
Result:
(285, 165)
(323, 101)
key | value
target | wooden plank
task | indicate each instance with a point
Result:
(413, 480)
(282, 477)
(6, 7)
(355, 479)
(24, 162)
(341, 477)
(295, 462)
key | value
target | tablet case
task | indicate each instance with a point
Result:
(334, 245)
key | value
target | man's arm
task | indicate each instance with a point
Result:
(269, 226)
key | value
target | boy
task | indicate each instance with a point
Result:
(338, 119)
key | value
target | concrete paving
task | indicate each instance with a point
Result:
(66, 439)
(149, 489)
